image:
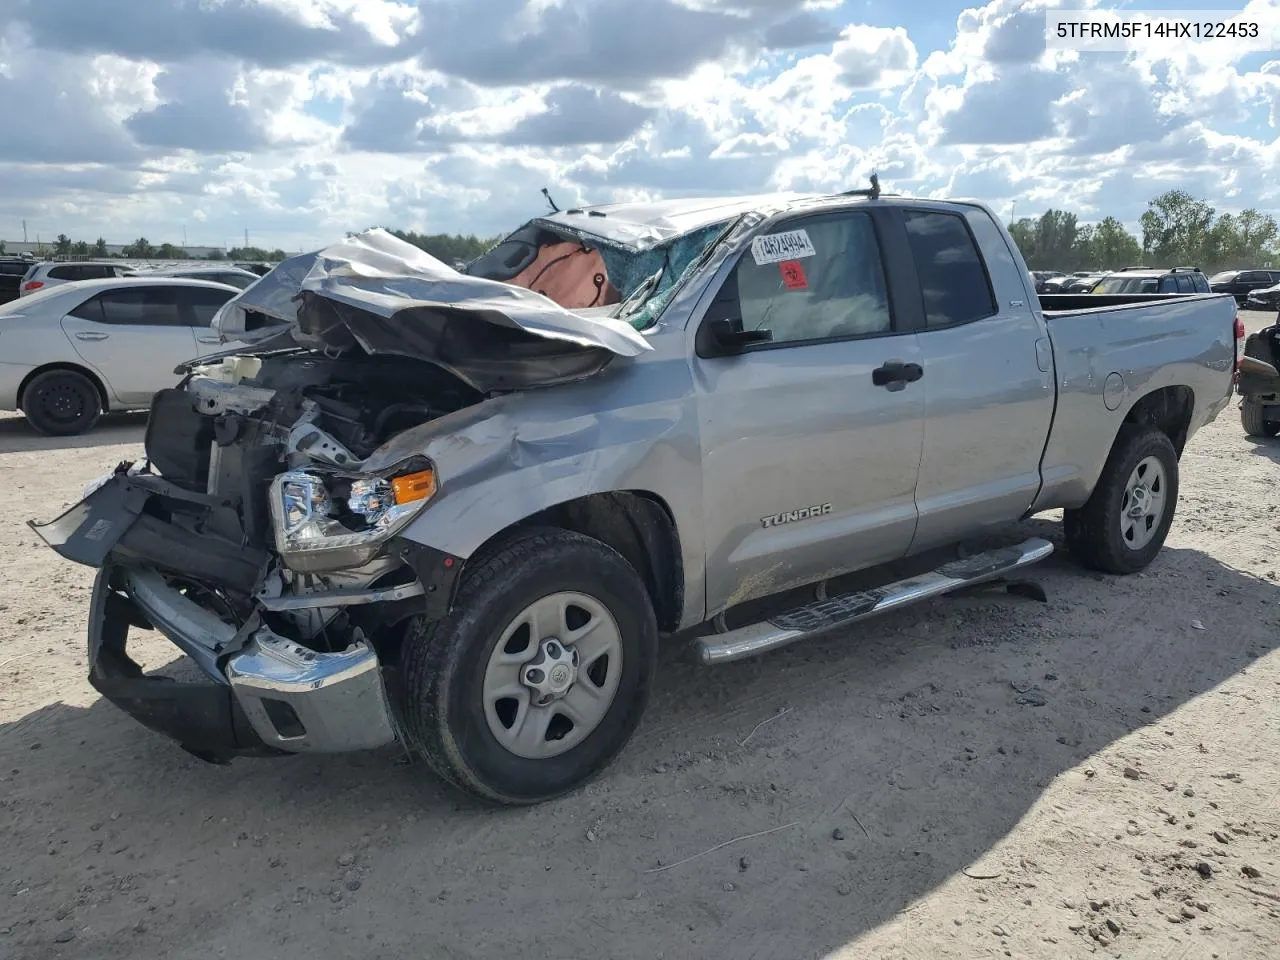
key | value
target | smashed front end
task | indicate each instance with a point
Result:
(262, 534)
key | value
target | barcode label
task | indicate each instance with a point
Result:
(776, 247)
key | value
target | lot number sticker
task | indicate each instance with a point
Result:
(776, 247)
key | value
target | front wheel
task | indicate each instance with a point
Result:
(1254, 422)
(1123, 525)
(538, 676)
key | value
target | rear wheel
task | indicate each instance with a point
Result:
(61, 403)
(538, 676)
(1254, 422)
(1123, 525)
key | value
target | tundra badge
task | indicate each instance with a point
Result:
(791, 516)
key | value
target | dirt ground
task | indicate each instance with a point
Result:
(986, 776)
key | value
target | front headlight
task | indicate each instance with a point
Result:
(333, 522)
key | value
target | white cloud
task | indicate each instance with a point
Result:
(300, 119)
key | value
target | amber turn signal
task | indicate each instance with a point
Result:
(412, 487)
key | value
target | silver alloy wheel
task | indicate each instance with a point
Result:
(553, 675)
(1144, 503)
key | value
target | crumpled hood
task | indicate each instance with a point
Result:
(389, 297)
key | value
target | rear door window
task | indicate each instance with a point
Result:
(66, 271)
(142, 306)
(1200, 283)
(1185, 285)
(953, 278)
(204, 303)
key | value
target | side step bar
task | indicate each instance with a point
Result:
(823, 615)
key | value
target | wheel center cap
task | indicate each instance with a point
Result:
(1141, 502)
(551, 673)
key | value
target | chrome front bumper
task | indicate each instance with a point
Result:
(297, 700)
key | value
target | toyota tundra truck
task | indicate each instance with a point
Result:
(460, 509)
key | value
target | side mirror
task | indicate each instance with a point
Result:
(731, 338)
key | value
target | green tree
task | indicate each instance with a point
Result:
(276, 255)
(215, 254)
(100, 248)
(1, 248)
(80, 249)
(62, 246)
(1056, 238)
(1111, 246)
(168, 251)
(1024, 235)
(247, 253)
(140, 249)
(1177, 229)
(1243, 239)
(447, 247)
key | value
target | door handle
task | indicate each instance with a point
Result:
(209, 339)
(895, 374)
(92, 336)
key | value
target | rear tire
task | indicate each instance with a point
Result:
(61, 403)
(1119, 529)
(469, 708)
(1253, 421)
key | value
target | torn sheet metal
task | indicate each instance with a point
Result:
(398, 291)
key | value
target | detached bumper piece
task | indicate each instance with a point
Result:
(269, 697)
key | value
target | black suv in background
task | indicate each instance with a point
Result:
(12, 270)
(1142, 280)
(1240, 283)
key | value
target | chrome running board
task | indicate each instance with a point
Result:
(823, 615)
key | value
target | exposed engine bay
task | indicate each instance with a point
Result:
(260, 453)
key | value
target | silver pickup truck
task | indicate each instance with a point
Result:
(459, 509)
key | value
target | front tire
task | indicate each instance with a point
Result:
(1123, 525)
(61, 403)
(538, 676)
(1253, 421)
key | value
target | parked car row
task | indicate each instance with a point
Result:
(1241, 284)
(73, 349)
(42, 275)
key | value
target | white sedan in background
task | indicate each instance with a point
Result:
(70, 353)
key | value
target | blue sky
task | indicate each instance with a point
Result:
(300, 119)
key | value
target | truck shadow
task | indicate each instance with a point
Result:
(1265, 447)
(923, 738)
(17, 436)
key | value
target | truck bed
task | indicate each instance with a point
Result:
(1060, 304)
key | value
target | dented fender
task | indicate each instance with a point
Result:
(508, 458)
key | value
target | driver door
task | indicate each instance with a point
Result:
(812, 438)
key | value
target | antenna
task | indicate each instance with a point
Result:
(873, 193)
(546, 193)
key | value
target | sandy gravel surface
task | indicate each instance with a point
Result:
(978, 777)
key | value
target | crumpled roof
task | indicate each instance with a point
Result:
(384, 276)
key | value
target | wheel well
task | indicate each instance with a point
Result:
(639, 526)
(74, 368)
(1168, 410)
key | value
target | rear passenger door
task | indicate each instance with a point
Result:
(133, 336)
(988, 376)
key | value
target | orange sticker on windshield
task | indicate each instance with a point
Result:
(793, 277)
